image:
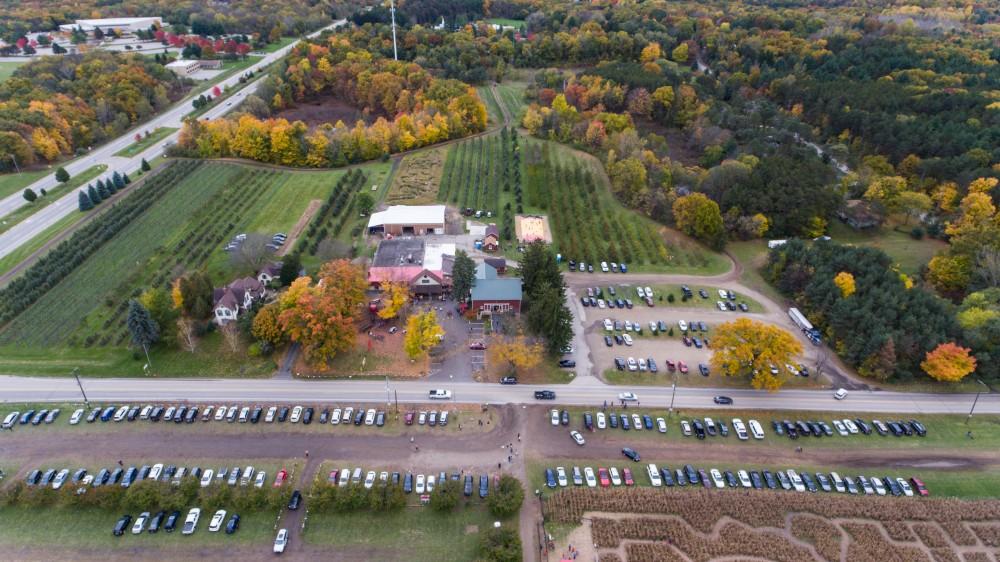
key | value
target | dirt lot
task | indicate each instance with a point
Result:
(324, 109)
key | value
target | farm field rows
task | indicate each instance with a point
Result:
(512, 96)
(417, 180)
(492, 109)
(483, 174)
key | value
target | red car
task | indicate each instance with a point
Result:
(477, 345)
(919, 486)
(408, 418)
(627, 474)
(671, 366)
(333, 477)
(604, 477)
(682, 367)
(280, 478)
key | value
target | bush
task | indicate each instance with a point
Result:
(30, 195)
(917, 233)
(506, 500)
(446, 496)
(500, 545)
(670, 297)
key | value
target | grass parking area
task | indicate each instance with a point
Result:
(661, 293)
(145, 142)
(415, 533)
(693, 378)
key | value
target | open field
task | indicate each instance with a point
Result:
(8, 68)
(512, 95)
(492, 109)
(14, 182)
(507, 22)
(648, 525)
(417, 180)
(154, 137)
(906, 252)
(81, 179)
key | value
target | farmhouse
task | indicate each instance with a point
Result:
(426, 268)
(492, 294)
(184, 67)
(238, 296)
(269, 273)
(491, 240)
(859, 214)
(408, 220)
(121, 25)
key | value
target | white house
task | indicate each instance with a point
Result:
(122, 25)
(239, 295)
(269, 273)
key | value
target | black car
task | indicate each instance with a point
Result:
(743, 306)
(133, 413)
(116, 476)
(647, 421)
(809, 482)
(508, 380)
(791, 430)
(918, 428)
(283, 414)
(608, 341)
(156, 414)
(545, 395)
(723, 400)
(180, 413)
(588, 421)
(408, 483)
(484, 486)
(192, 415)
(255, 417)
(613, 421)
(567, 363)
(102, 477)
(703, 369)
(803, 428)
(703, 293)
(756, 480)
(667, 476)
(467, 490)
(863, 427)
(731, 479)
(296, 500)
(585, 301)
(233, 524)
(156, 521)
(699, 429)
(380, 418)
(692, 474)
(631, 454)
(564, 417)
(307, 416)
(619, 339)
(171, 523)
(92, 416)
(359, 416)
(907, 430)
(122, 525)
(33, 477)
(626, 423)
(779, 429)
(143, 472)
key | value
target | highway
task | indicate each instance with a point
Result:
(583, 392)
(105, 154)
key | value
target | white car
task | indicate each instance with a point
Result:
(744, 479)
(206, 477)
(604, 266)
(383, 476)
(140, 523)
(370, 480)
(838, 482)
(335, 417)
(628, 325)
(616, 479)
(907, 490)
(281, 541)
(217, 519)
(840, 394)
(878, 485)
(420, 484)
(756, 429)
(422, 418)
(649, 293)
(577, 437)
(271, 412)
(654, 475)
(641, 292)
(155, 472)
(686, 428)
(430, 483)
(723, 294)
(121, 413)
(75, 418)
(345, 477)
(652, 327)
(608, 325)
(740, 429)
(682, 325)
(601, 303)
(296, 414)
(60, 479)
(721, 305)
(841, 429)
(206, 414)
(554, 416)
(221, 414)
(632, 365)
(642, 364)
(717, 478)
(796, 480)
(627, 338)
(191, 521)
(636, 422)
(561, 476)
(588, 476)
(370, 417)
(661, 425)
(260, 480)
(602, 420)
(348, 415)
(791, 370)
(851, 427)
(146, 410)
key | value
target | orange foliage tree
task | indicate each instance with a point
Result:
(949, 363)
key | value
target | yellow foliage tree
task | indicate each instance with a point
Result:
(422, 333)
(845, 282)
(651, 52)
(517, 352)
(395, 295)
(745, 347)
(176, 295)
(266, 327)
(680, 53)
(948, 363)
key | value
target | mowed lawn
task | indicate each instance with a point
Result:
(492, 109)
(907, 252)
(512, 96)
(8, 68)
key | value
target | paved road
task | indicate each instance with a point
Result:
(584, 391)
(105, 154)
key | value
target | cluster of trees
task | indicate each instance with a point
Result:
(973, 257)
(882, 325)
(384, 497)
(322, 316)
(202, 47)
(56, 106)
(94, 194)
(546, 313)
(410, 108)
(747, 348)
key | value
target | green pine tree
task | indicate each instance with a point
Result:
(84, 202)
(94, 195)
(141, 327)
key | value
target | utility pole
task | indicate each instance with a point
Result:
(673, 394)
(388, 402)
(973, 409)
(16, 167)
(76, 374)
(392, 12)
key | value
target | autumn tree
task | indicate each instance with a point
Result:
(913, 204)
(196, 299)
(517, 352)
(680, 53)
(187, 334)
(747, 348)
(845, 282)
(422, 333)
(949, 362)
(266, 327)
(700, 217)
(395, 295)
(321, 317)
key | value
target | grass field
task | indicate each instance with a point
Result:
(512, 95)
(8, 68)
(13, 183)
(416, 533)
(507, 22)
(909, 254)
(482, 175)
(154, 137)
(418, 178)
(25, 211)
(492, 109)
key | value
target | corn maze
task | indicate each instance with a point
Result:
(586, 224)
(484, 174)
(660, 525)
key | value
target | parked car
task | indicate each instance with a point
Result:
(281, 541)
(191, 521)
(121, 525)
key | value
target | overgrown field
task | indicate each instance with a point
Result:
(484, 174)
(786, 527)
(416, 182)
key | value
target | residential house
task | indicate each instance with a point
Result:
(234, 298)
(859, 214)
(269, 273)
(492, 294)
(491, 240)
(499, 264)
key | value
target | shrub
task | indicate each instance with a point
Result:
(446, 496)
(917, 233)
(500, 545)
(507, 498)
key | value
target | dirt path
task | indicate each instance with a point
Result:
(301, 225)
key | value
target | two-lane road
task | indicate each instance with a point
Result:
(105, 154)
(593, 393)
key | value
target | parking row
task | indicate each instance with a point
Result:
(159, 472)
(713, 478)
(152, 523)
(419, 483)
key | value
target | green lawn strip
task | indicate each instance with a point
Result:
(507, 22)
(692, 379)
(943, 431)
(415, 533)
(21, 253)
(941, 483)
(492, 109)
(13, 182)
(7, 68)
(512, 95)
(284, 41)
(28, 209)
(147, 141)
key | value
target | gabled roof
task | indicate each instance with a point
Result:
(508, 289)
(428, 273)
(225, 298)
(492, 230)
(496, 263)
(272, 269)
(485, 271)
(408, 214)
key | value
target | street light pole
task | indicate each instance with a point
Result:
(392, 12)
(673, 394)
(975, 401)
(76, 374)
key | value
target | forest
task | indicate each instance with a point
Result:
(408, 107)
(56, 106)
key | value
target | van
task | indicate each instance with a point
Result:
(248, 473)
(356, 477)
(654, 475)
(840, 394)
(756, 429)
(439, 394)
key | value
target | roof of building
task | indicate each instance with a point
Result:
(496, 263)
(860, 211)
(447, 264)
(119, 21)
(408, 214)
(492, 230)
(486, 271)
(399, 252)
(434, 255)
(273, 269)
(225, 298)
(183, 63)
(508, 289)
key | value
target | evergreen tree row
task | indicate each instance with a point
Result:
(94, 194)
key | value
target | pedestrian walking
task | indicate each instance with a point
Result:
(518, 436)
(120, 463)
(307, 453)
(499, 466)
